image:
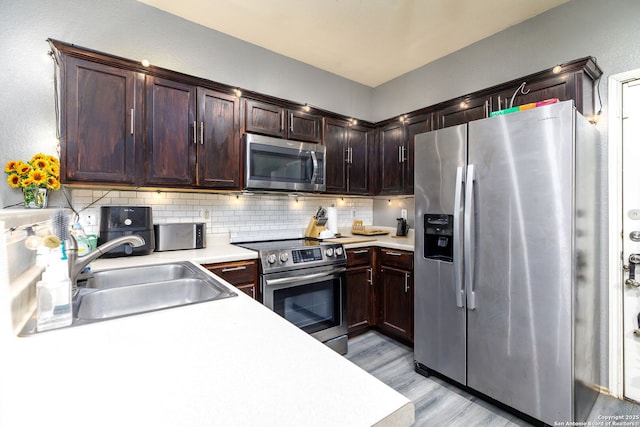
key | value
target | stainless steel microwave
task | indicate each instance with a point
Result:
(283, 165)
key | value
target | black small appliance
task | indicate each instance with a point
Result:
(403, 227)
(117, 221)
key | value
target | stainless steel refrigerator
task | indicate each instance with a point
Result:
(507, 259)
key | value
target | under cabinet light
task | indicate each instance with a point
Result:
(238, 92)
(557, 69)
(145, 62)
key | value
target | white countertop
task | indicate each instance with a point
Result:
(230, 362)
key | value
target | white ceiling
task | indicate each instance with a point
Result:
(368, 41)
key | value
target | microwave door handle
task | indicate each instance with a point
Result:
(314, 159)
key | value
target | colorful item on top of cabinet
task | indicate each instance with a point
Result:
(524, 107)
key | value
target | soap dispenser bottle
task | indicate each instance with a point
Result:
(53, 295)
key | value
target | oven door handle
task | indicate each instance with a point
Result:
(306, 277)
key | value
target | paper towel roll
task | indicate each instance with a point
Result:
(332, 219)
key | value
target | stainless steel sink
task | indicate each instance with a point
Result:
(128, 291)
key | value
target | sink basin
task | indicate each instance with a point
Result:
(120, 292)
(139, 298)
(126, 291)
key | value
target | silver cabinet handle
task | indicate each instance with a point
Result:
(291, 122)
(132, 121)
(469, 240)
(371, 277)
(346, 155)
(458, 210)
(195, 133)
(201, 133)
(226, 270)
(362, 251)
(486, 108)
(350, 154)
(406, 282)
(399, 154)
(499, 103)
(393, 253)
(282, 121)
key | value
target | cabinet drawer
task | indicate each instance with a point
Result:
(236, 273)
(360, 256)
(398, 259)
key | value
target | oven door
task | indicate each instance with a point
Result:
(313, 300)
(277, 164)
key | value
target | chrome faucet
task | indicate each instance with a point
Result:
(77, 264)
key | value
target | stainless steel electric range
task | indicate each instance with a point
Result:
(303, 281)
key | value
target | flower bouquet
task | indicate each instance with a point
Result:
(35, 178)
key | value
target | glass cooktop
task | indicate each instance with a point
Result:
(272, 245)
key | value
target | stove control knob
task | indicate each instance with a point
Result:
(284, 257)
(329, 252)
(339, 251)
(271, 258)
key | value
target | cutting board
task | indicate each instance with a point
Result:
(348, 240)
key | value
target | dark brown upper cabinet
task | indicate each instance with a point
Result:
(273, 120)
(172, 133)
(102, 123)
(192, 136)
(218, 147)
(349, 151)
(464, 111)
(396, 145)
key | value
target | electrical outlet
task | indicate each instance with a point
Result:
(353, 213)
(403, 213)
(206, 214)
(91, 220)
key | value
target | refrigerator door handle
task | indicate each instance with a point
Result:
(458, 211)
(469, 233)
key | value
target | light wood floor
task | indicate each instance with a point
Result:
(439, 403)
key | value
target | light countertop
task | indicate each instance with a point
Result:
(230, 362)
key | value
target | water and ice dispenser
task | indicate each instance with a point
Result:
(438, 237)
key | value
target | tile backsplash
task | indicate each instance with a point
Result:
(244, 217)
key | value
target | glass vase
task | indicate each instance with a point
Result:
(35, 198)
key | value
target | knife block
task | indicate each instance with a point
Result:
(313, 229)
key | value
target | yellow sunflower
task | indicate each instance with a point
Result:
(14, 180)
(38, 176)
(11, 166)
(38, 157)
(41, 163)
(53, 183)
(53, 170)
(23, 169)
(53, 160)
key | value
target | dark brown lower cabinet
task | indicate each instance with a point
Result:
(380, 292)
(396, 303)
(360, 290)
(241, 274)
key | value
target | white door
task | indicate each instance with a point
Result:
(631, 236)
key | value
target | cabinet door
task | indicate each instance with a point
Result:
(560, 87)
(102, 127)
(359, 157)
(171, 133)
(391, 150)
(264, 118)
(463, 112)
(304, 126)
(413, 126)
(396, 302)
(360, 314)
(218, 148)
(335, 141)
(242, 274)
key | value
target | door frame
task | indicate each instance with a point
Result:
(616, 326)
